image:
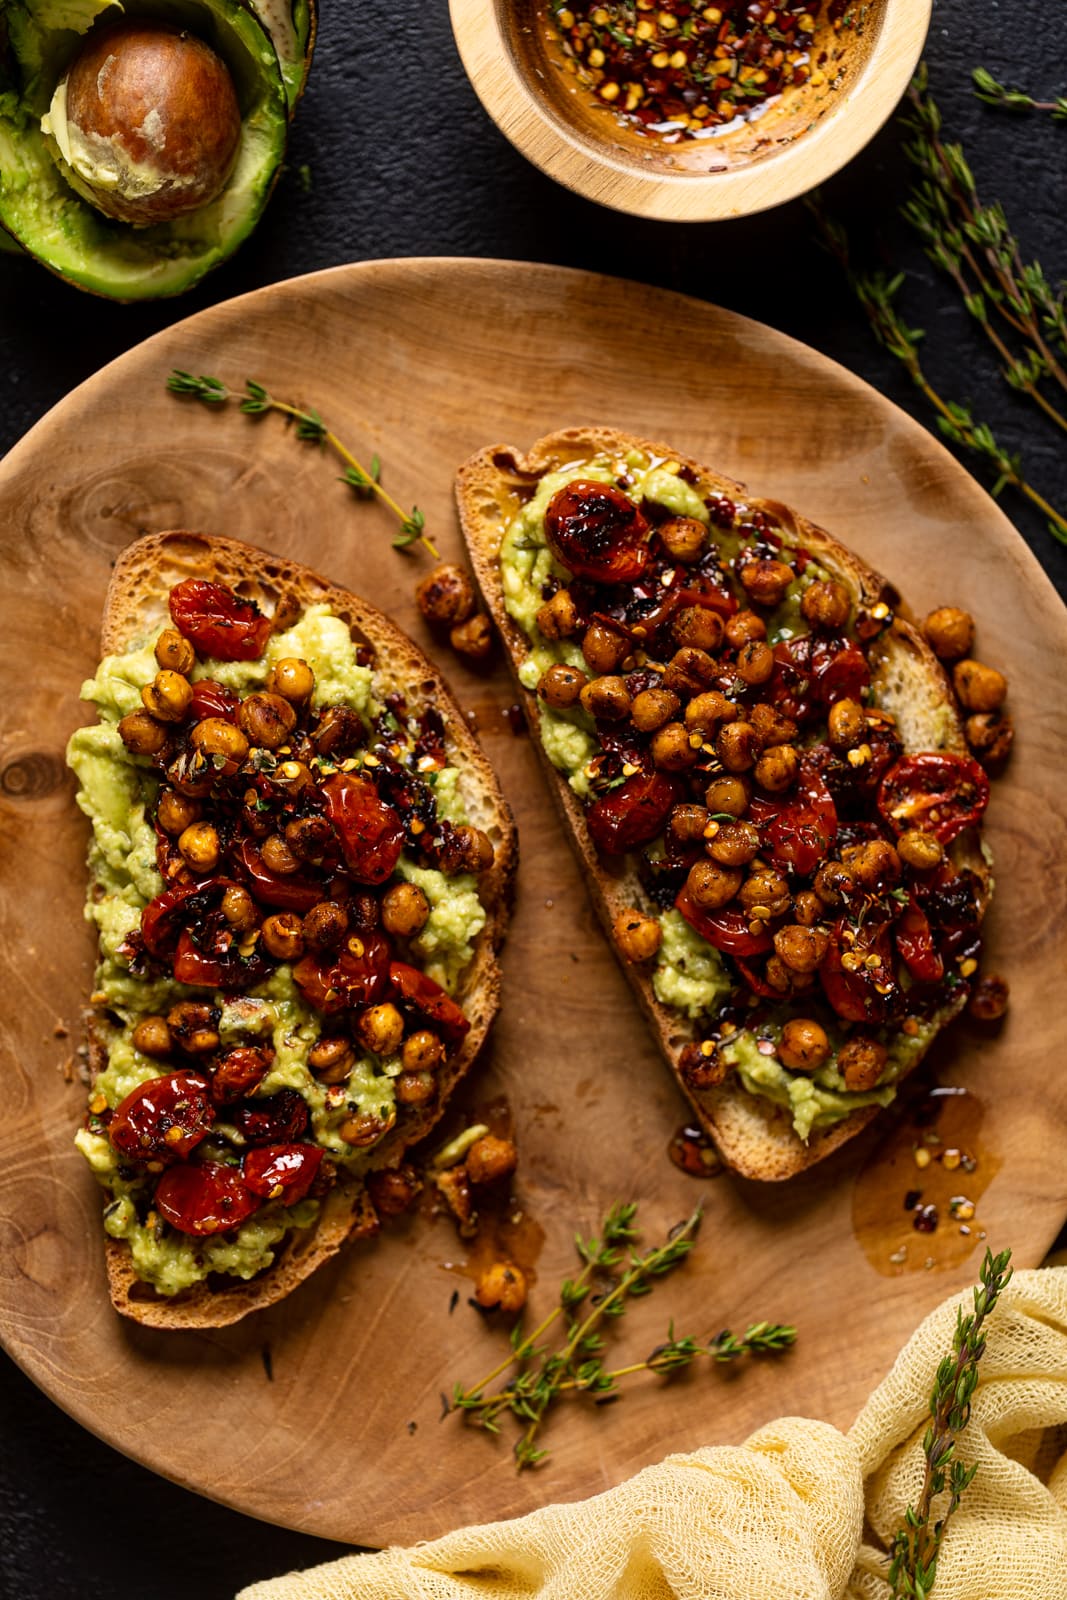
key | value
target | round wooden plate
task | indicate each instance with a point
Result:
(324, 1413)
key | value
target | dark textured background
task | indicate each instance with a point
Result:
(401, 160)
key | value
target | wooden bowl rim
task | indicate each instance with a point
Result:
(521, 113)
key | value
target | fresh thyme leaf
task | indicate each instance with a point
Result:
(992, 93)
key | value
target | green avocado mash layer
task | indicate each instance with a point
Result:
(115, 792)
(690, 974)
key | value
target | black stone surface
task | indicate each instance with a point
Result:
(391, 155)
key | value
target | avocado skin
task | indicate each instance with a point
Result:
(40, 210)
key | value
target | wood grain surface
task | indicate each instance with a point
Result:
(796, 141)
(339, 1431)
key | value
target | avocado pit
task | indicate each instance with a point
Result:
(145, 124)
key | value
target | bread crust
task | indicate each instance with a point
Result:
(134, 608)
(753, 1135)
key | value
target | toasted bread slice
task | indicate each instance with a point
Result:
(135, 609)
(753, 1135)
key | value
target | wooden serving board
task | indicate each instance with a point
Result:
(324, 1413)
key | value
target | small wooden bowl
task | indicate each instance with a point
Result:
(521, 75)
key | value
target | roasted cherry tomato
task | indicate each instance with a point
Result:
(204, 1198)
(811, 673)
(218, 622)
(291, 893)
(728, 930)
(676, 598)
(163, 1119)
(211, 699)
(282, 1171)
(238, 1072)
(192, 966)
(370, 831)
(276, 1119)
(164, 917)
(915, 943)
(597, 532)
(939, 792)
(354, 978)
(859, 993)
(632, 814)
(424, 995)
(798, 831)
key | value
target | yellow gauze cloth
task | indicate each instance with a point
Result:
(783, 1516)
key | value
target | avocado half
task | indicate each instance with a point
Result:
(38, 39)
(292, 25)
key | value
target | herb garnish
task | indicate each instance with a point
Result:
(915, 1547)
(993, 93)
(617, 1272)
(256, 401)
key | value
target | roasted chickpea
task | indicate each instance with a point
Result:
(771, 727)
(381, 1029)
(861, 1062)
(338, 732)
(683, 538)
(697, 627)
(217, 737)
(332, 1058)
(561, 686)
(777, 768)
(846, 723)
(194, 1027)
(727, 795)
(804, 1045)
(706, 712)
(445, 595)
(152, 1037)
(833, 884)
(686, 824)
(239, 908)
(989, 1001)
(737, 746)
(292, 678)
(807, 908)
(266, 719)
(142, 734)
(490, 1159)
(405, 910)
(735, 844)
(768, 888)
(712, 885)
(689, 670)
(785, 979)
(872, 864)
(978, 687)
(702, 1065)
(950, 632)
(744, 626)
(637, 937)
(292, 776)
(394, 1190)
(277, 856)
(671, 749)
(169, 696)
(558, 617)
(174, 652)
(282, 936)
(475, 850)
(652, 708)
(603, 648)
(415, 1088)
(423, 1051)
(802, 949)
(766, 580)
(826, 605)
(324, 927)
(755, 661)
(308, 837)
(502, 1285)
(473, 639)
(199, 845)
(921, 851)
(990, 735)
(364, 1129)
(176, 812)
(607, 699)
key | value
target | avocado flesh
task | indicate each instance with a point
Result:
(41, 210)
(291, 25)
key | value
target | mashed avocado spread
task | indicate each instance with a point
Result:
(117, 793)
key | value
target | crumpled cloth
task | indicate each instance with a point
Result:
(786, 1515)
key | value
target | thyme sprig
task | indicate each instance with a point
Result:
(613, 1273)
(916, 1546)
(255, 401)
(877, 292)
(993, 93)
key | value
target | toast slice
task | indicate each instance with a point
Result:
(753, 1135)
(135, 610)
